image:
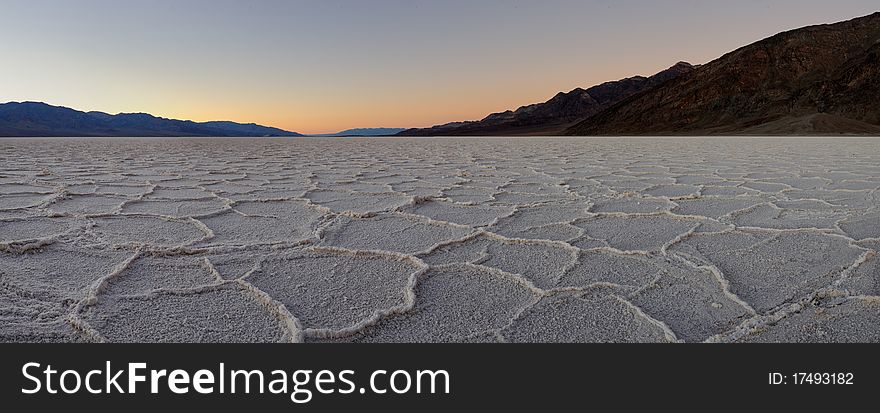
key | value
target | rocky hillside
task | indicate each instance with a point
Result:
(816, 80)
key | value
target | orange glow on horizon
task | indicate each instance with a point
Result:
(330, 115)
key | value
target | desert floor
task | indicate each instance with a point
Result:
(453, 240)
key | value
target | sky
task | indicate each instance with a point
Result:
(328, 65)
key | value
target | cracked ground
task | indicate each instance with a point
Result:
(440, 240)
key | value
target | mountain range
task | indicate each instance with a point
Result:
(558, 113)
(30, 119)
(817, 80)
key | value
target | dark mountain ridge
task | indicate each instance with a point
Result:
(35, 119)
(822, 79)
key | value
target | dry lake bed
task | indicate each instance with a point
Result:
(451, 240)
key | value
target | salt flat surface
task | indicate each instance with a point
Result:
(425, 240)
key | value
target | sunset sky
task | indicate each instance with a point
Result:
(324, 66)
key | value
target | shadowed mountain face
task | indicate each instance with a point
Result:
(815, 80)
(554, 115)
(31, 119)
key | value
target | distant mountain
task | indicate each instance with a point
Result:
(558, 113)
(815, 80)
(29, 119)
(365, 132)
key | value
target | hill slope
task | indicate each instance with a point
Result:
(778, 86)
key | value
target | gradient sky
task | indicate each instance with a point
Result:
(324, 66)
